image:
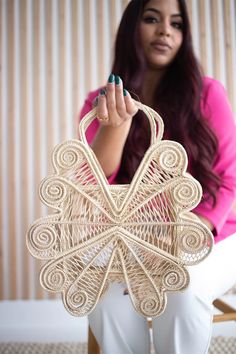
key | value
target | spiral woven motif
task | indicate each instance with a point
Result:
(192, 241)
(171, 159)
(142, 234)
(150, 306)
(77, 299)
(53, 191)
(175, 279)
(55, 279)
(66, 157)
(186, 193)
(43, 237)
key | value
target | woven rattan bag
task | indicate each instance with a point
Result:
(142, 234)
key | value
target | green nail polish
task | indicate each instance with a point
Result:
(117, 80)
(125, 92)
(111, 78)
(102, 92)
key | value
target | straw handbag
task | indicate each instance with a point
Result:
(142, 234)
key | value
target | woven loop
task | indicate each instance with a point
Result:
(153, 117)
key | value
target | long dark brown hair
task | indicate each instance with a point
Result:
(178, 98)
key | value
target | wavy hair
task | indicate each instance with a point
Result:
(178, 104)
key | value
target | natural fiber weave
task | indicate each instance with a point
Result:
(142, 234)
(219, 345)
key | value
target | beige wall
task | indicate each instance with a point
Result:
(52, 53)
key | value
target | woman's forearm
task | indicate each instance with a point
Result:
(108, 146)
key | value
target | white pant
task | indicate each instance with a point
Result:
(185, 326)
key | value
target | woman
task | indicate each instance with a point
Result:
(154, 57)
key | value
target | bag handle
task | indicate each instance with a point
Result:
(153, 117)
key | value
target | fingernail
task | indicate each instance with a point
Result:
(125, 92)
(102, 92)
(117, 80)
(111, 78)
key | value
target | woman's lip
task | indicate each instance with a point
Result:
(160, 46)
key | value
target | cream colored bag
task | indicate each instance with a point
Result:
(142, 234)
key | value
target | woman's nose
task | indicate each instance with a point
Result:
(164, 29)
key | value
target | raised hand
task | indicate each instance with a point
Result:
(114, 103)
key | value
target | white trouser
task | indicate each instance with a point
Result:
(185, 326)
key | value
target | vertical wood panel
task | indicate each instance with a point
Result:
(37, 133)
(24, 133)
(202, 27)
(88, 62)
(11, 155)
(68, 70)
(75, 64)
(101, 28)
(228, 49)
(1, 158)
(233, 16)
(49, 81)
(55, 71)
(17, 146)
(124, 3)
(50, 128)
(113, 16)
(61, 59)
(26, 146)
(190, 10)
(215, 39)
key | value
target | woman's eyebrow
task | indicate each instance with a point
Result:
(158, 12)
(152, 9)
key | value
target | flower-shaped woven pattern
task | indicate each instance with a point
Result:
(142, 234)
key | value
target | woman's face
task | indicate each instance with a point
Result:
(161, 32)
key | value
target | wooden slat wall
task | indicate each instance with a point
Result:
(52, 52)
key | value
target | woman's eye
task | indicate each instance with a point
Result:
(177, 25)
(150, 19)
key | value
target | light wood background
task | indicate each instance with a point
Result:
(52, 52)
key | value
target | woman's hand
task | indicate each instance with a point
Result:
(114, 104)
(115, 109)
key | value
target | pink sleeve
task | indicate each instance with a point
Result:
(92, 129)
(217, 109)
